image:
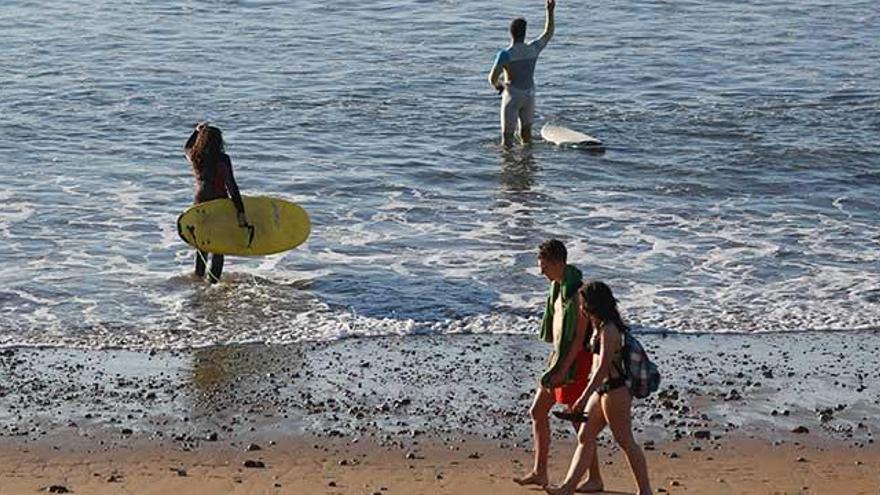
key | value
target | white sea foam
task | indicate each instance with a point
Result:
(720, 204)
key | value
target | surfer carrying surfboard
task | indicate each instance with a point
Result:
(212, 169)
(517, 62)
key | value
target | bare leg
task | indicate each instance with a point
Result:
(540, 412)
(617, 406)
(594, 483)
(585, 452)
(507, 140)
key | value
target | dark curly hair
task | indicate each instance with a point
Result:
(601, 304)
(207, 149)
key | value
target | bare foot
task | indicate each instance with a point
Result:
(558, 490)
(591, 486)
(531, 479)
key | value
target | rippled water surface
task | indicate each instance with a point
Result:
(739, 191)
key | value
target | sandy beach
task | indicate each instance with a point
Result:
(732, 209)
(429, 414)
(333, 467)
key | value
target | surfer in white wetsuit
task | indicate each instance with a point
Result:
(517, 88)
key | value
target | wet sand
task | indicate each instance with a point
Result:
(769, 413)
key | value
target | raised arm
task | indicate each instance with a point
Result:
(549, 24)
(187, 148)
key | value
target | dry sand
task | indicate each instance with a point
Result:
(736, 467)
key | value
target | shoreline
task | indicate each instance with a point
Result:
(444, 397)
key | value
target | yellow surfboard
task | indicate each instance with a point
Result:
(275, 226)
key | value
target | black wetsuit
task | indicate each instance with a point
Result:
(213, 181)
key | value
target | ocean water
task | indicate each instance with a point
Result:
(739, 192)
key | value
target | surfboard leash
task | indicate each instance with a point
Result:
(204, 259)
(192, 232)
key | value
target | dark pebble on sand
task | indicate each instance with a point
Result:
(825, 415)
(475, 455)
(57, 489)
(253, 464)
(702, 434)
(253, 447)
(800, 429)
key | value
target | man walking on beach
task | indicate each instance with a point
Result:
(569, 365)
(518, 89)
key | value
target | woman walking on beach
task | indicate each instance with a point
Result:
(607, 398)
(212, 169)
(565, 327)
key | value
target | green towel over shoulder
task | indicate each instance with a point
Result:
(571, 282)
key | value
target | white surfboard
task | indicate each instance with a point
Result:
(563, 136)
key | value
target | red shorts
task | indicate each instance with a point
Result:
(569, 394)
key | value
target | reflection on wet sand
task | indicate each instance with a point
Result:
(405, 389)
(243, 378)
